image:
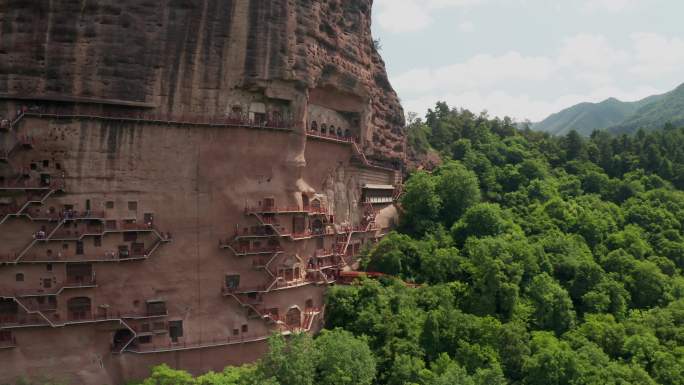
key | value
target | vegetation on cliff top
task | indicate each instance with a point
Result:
(543, 260)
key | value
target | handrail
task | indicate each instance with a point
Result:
(55, 184)
(45, 236)
(20, 140)
(354, 143)
(67, 284)
(335, 137)
(232, 120)
(200, 344)
(107, 257)
(37, 318)
(26, 204)
(285, 209)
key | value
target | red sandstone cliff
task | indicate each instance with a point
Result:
(189, 56)
(188, 177)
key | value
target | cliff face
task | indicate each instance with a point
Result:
(181, 178)
(188, 56)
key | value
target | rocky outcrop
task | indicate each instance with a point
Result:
(191, 56)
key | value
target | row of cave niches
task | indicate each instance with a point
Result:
(69, 241)
(266, 242)
(54, 273)
(49, 279)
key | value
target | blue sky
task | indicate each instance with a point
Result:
(529, 58)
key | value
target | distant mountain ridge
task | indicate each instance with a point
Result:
(618, 117)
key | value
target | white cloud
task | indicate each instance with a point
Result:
(497, 102)
(402, 16)
(399, 16)
(586, 68)
(521, 106)
(657, 55)
(466, 26)
(478, 71)
(610, 5)
(590, 51)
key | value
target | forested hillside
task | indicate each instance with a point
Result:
(666, 109)
(619, 117)
(540, 260)
(586, 117)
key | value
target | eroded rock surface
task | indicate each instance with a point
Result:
(182, 178)
(189, 56)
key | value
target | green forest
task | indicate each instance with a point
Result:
(537, 260)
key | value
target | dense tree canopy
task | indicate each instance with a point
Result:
(543, 260)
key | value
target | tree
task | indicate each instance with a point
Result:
(406, 370)
(494, 276)
(458, 189)
(551, 361)
(164, 375)
(648, 285)
(445, 371)
(421, 203)
(481, 220)
(399, 255)
(552, 304)
(631, 239)
(603, 330)
(344, 359)
(441, 265)
(232, 375)
(608, 296)
(574, 146)
(290, 362)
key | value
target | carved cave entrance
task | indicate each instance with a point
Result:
(121, 338)
(79, 308)
(8, 310)
(293, 318)
(298, 224)
(317, 227)
(79, 273)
